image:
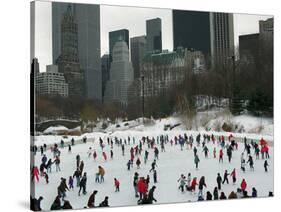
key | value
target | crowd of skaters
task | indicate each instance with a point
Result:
(143, 193)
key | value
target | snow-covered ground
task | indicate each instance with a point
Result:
(248, 125)
(171, 165)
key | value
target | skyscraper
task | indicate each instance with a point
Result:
(68, 61)
(222, 37)
(266, 27)
(87, 17)
(35, 66)
(105, 68)
(266, 32)
(191, 29)
(138, 50)
(114, 36)
(211, 33)
(249, 47)
(154, 35)
(121, 75)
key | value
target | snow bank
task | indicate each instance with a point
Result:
(205, 122)
(53, 129)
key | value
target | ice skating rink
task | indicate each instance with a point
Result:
(171, 164)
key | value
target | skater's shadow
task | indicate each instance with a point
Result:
(24, 204)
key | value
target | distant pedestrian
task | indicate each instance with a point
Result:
(155, 176)
(233, 175)
(219, 181)
(104, 203)
(46, 177)
(243, 185)
(225, 177)
(82, 184)
(91, 201)
(265, 165)
(70, 182)
(221, 156)
(117, 185)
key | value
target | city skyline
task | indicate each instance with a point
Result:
(243, 24)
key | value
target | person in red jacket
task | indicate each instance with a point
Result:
(233, 175)
(243, 185)
(221, 156)
(116, 184)
(104, 156)
(193, 184)
(35, 173)
(142, 188)
(266, 151)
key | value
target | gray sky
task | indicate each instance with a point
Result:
(131, 18)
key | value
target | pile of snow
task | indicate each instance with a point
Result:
(240, 124)
(256, 125)
(54, 129)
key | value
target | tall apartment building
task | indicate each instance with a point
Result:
(210, 33)
(138, 51)
(154, 35)
(121, 75)
(105, 69)
(253, 47)
(68, 61)
(51, 82)
(87, 17)
(266, 31)
(249, 47)
(115, 36)
(222, 37)
(191, 29)
(35, 68)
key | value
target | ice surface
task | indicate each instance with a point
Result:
(171, 165)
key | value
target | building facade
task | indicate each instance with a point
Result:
(222, 38)
(163, 71)
(87, 17)
(249, 47)
(210, 33)
(138, 51)
(154, 35)
(191, 29)
(68, 61)
(51, 82)
(105, 69)
(121, 75)
(115, 36)
(266, 32)
(35, 68)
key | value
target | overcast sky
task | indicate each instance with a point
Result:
(131, 18)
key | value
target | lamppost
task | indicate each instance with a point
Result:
(142, 82)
